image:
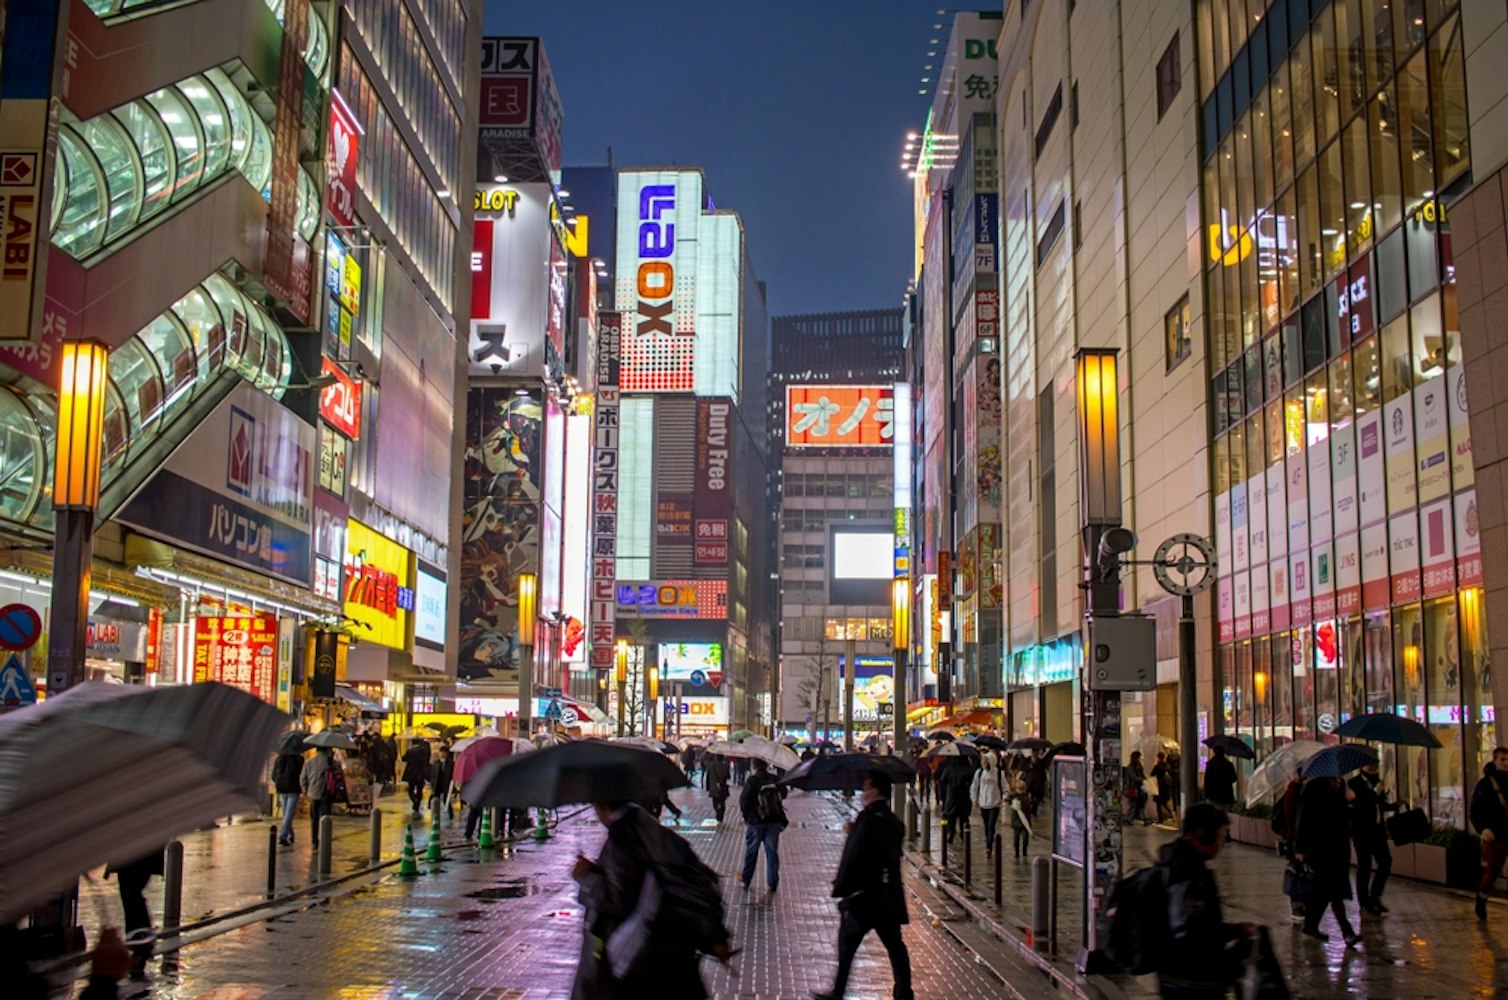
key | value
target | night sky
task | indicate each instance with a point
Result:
(795, 109)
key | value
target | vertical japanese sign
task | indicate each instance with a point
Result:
(239, 650)
(710, 502)
(340, 166)
(30, 31)
(283, 214)
(605, 491)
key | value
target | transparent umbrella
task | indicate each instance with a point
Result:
(1272, 776)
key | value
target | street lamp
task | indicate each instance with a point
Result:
(75, 498)
(900, 641)
(528, 595)
(652, 680)
(620, 667)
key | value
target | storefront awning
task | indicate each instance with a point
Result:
(973, 717)
(358, 699)
(917, 709)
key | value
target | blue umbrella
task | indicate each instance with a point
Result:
(1337, 761)
(1385, 727)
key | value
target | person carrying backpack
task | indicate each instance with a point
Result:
(652, 910)
(762, 803)
(987, 794)
(1201, 959)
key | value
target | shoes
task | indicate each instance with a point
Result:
(773, 888)
(1317, 935)
(285, 841)
(826, 996)
(1378, 907)
(1481, 907)
(1353, 939)
(1375, 909)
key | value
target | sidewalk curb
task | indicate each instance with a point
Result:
(1072, 982)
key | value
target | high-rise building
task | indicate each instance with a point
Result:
(692, 593)
(250, 204)
(832, 426)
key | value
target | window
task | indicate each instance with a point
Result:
(1050, 234)
(1169, 77)
(1049, 119)
(1176, 328)
(1073, 104)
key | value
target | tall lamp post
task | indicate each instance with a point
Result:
(528, 596)
(75, 498)
(652, 683)
(620, 668)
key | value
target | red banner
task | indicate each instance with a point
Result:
(239, 650)
(481, 269)
(711, 504)
(340, 402)
(340, 166)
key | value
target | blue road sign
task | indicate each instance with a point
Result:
(552, 710)
(16, 687)
(698, 678)
(553, 692)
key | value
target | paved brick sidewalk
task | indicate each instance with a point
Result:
(1429, 946)
(225, 869)
(511, 927)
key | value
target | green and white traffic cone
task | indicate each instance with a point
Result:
(541, 828)
(484, 839)
(409, 866)
(432, 851)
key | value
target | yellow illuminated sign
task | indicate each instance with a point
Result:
(1231, 253)
(378, 593)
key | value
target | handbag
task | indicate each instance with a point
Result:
(1298, 881)
(1408, 827)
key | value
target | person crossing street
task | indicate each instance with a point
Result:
(763, 808)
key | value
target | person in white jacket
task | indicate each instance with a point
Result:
(985, 792)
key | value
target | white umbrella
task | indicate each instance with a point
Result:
(1272, 776)
(642, 742)
(106, 773)
(786, 740)
(772, 753)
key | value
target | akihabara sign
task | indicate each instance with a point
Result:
(711, 505)
(839, 416)
(605, 492)
(673, 599)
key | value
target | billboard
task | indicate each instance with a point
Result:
(512, 279)
(659, 213)
(839, 416)
(520, 110)
(340, 163)
(340, 401)
(499, 523)
(241, 489)
(604, 493)
(711, 503)
(697, 662)
(861, 563)
(672, 599)
(698, 711)
(429, 607)
(873, 686)
(377, 595)
(575, 536)
(239, 650)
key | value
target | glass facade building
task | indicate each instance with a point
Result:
(1333, 136)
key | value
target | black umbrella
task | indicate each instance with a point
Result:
(845, 771)
(991, 743)
(584, 771)
(1385, 727)
(1029, 743)
(1231, 745)
(1337, 761)
(293, 743)
(941, 734)
(1062, 750)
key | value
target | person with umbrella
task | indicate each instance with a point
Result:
(957, 778)
(319, 783)
(1489, 814)
(1220, 779)
(285, 781)
(868, 888)
(763, 807)
(441, 773)
(987, 792)
(1369, 803)
(715, 776)
(1136, 790)
(1322, 841)
(415, 771)
(1163, 775)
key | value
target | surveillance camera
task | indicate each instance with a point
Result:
(497, 369)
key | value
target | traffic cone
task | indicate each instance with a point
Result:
(409, 866)
(484, 839)
(541, 828)
(432, 852)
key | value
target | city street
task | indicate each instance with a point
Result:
(510, 926)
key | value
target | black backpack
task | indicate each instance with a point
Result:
(691, 900)
(1134, 928)
(768, 803)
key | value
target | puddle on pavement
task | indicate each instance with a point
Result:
(512, 889)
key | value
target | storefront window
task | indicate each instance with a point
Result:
(1476, 683)
(1311, 238)
(1387, 183)
(1236, 441)
(1241, 691)
(1286, 259)
(1281, 684)
(1397, 372)
(1443, 683)
(1327, 662)
(1368, 378)
(1332, 211)
(1414, 130)
(1377, 654)
(1261, 695)
(1302, 656)
(1408, 648)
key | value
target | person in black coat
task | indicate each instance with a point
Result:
(868, 887)
(956, 780)
(285, 774)
(1220, 779)
(1322, 841)
(715, 776)
(441, 774)
(1201, 959)
(416, 771)
(1489, 814)
(1369, 802)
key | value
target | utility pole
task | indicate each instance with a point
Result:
(850, 668)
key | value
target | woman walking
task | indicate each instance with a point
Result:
(985, 792)
(1323, 842)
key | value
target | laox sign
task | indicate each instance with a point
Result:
(656, 278)
(648, 595)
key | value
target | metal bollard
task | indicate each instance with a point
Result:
(326, 835)
(911, 819)
(968, 854)
(172, 886)
(272, 861)
(1040, 939)
(374, 848)
(927, 830)
(998, 852)
(942, 837)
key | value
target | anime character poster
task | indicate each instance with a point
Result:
(500, 524)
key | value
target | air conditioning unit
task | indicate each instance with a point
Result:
(1122, 653)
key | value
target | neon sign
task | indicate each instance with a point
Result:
(656, 277)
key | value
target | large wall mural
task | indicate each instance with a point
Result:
(500, 524)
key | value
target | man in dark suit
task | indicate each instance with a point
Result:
(868, 887)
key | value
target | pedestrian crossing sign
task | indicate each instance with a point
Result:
(552, 710)
(16, 688)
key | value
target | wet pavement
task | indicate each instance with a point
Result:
(1430, 945)
(509, 926)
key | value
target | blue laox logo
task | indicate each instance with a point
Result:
(656, 278)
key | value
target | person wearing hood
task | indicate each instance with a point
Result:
(1489, 814)
(986, 793)
(1201, 960)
